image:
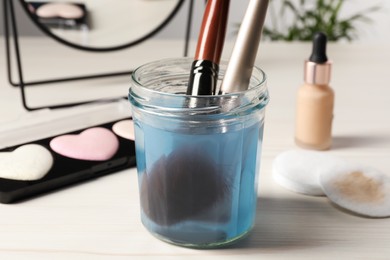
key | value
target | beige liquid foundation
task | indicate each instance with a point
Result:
(315, 100)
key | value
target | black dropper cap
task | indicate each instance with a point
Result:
(319, 48)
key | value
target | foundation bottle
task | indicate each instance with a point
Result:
(315, 101)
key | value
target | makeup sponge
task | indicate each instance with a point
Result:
(93, 144)
(360, 189)
(299, 170)
(26, 163)
(125, 129)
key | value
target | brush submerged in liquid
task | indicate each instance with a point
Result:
(187, 184)
(183, 186)
(197, 186)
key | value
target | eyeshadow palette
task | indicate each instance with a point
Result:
(47, 164)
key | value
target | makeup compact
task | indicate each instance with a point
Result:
(91, 149)
(64, 15)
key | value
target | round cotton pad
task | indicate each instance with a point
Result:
(26, 163)
(360, 189)
(298, 170)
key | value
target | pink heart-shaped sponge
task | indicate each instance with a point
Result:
(93, 144)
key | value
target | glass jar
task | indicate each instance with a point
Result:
(198, 157)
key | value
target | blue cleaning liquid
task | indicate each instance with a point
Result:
(198, 188)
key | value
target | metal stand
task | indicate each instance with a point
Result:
(11, 29)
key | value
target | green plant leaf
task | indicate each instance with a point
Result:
(310, 17)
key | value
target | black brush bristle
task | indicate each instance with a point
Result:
(184, 185)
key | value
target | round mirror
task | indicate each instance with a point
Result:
(101, 25)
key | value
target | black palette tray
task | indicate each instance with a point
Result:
(66, 171)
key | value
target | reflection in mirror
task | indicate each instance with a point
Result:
(47, 63)
(101, 23)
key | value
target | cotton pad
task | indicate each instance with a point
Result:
(26, 163)
(299, 170)
(360, 189)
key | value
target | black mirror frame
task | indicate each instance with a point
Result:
(104, 49)
(11, 29)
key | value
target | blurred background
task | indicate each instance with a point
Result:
(364, 21)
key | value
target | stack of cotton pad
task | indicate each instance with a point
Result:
(360, 189)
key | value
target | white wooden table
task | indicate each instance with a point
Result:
(101, 219)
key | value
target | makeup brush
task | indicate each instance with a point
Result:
(186, 184)
(240, 66)
(205, 67)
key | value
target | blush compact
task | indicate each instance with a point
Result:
(41, 165)
(60, 15)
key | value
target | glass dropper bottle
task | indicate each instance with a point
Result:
(315, 100)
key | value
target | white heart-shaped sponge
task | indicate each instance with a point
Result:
(299, 170)
(26, 163)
